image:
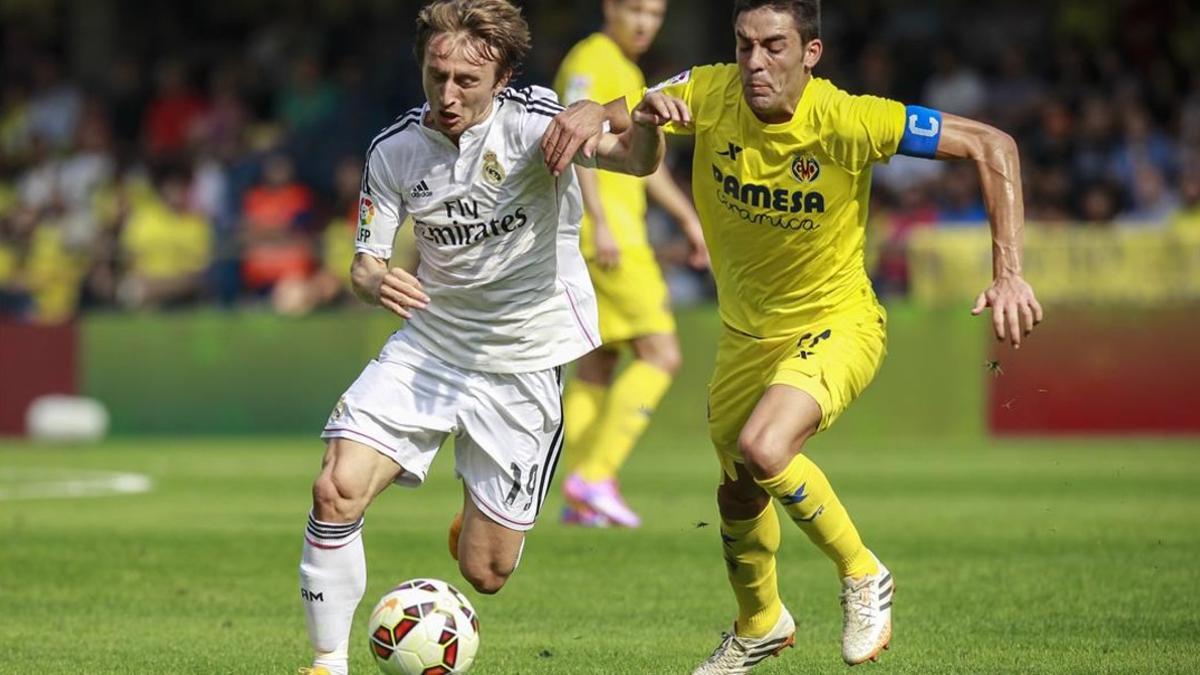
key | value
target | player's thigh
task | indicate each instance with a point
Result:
(834, 361)
(740, 377)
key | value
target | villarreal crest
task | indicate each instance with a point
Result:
(805, 168)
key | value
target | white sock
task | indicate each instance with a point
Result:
(333, 578)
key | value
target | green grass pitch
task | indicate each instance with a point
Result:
(1049, 556)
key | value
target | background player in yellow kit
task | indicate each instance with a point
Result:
(606, 415)
(781, 179)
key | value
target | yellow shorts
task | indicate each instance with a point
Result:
(833, 361)
(632, 299)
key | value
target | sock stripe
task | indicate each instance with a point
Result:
(335, 529)
(329, 531)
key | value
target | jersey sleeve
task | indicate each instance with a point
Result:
(861, 130)
(539, 105)
(683, 87)
(380, 209)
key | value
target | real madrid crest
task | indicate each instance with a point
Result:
(805, 168)
(338, 410)
(493, 173)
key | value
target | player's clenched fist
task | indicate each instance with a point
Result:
(401, 292)
(657, 109)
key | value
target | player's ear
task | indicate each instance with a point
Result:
(812, 53)
(502, 81)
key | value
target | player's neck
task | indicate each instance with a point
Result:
(608, 32)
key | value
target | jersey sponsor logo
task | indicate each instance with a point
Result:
(678, 79)
(732, 152)
(421, 191)
(493, 173)
(578, 88)
(366, 214)
(767, 197)
(366, 211)
(806, 168)
(467, 233)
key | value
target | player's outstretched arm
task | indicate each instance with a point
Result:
(637, 150)
(1015, 309)
(394, 289)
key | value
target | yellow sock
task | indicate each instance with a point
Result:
(750, 548)
(581, 408)
(808, 498)
(627, 410)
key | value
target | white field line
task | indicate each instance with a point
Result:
(68, 484)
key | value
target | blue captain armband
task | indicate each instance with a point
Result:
(922, 131)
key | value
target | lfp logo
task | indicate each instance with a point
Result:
(805, 168)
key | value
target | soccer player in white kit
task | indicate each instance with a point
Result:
(500, 302)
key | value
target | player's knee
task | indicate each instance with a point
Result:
(766, 453)
(668, 360)
(741, 501)
(486, 576)
(335, 502)
(662, 352)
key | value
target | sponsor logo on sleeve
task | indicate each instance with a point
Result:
(678, 79)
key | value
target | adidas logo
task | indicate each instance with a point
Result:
(421, 191)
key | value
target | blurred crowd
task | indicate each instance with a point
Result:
(187, 175)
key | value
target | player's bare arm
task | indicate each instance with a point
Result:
(608, 255)
(637, 150)
(394, 289)
(662, 189)
(1015, 309)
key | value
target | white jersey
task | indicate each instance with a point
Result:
(497, 233)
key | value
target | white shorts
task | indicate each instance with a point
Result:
(507, 427)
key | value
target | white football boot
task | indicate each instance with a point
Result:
(867, 615)
(736, 655)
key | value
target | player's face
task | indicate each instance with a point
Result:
(633, 24)
(461, 79)
(775, 64)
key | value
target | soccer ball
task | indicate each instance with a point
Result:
(424, 627)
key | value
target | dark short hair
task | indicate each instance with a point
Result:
(806, 13)
(496, 24)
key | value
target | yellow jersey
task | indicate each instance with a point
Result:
(162, 244)
(596, 69)
(784, 206)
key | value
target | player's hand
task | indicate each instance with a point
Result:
(1015, 310)
(657, 109)
(698, 257)
(608, 256)
(579, 126)
(401, 292)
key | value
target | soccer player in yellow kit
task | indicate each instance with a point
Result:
(604, 414)
(781, 180)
